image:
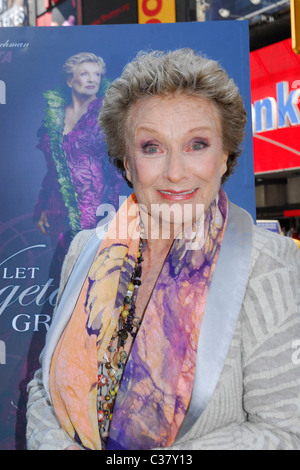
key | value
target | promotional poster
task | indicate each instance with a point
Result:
(48, 192)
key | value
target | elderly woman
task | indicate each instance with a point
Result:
(77, 180)
(176, 325)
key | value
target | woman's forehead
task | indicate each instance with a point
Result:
(86, 65)
(157, 112)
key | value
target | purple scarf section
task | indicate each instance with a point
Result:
(158, 379)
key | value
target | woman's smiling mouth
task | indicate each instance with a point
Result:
(177, 195)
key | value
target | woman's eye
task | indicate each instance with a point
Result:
(198, 146)
(151, 149)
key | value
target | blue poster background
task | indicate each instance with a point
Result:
(30, 63)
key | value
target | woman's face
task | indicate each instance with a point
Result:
(175, 155)
(86, 79)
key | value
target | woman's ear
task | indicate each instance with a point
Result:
(224, 163)
(127, 170)
(69, 82)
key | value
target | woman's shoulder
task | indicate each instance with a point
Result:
(77, 245)
(273, 251)
(79, 241)
(270, 240)
(95, 105)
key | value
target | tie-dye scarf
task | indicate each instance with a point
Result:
(158, 379)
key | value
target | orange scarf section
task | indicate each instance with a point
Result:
(74, 368)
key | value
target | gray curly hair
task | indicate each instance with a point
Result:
(182, 71)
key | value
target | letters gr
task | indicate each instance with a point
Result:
(2, 92)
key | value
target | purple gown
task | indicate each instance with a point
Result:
(95, 180)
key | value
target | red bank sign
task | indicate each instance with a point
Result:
(275, 90)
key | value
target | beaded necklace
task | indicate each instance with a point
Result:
(111, 370)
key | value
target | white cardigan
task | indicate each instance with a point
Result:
(246, 392)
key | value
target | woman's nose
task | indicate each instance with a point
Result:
(175, 169)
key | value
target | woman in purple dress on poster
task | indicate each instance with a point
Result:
(78, 179)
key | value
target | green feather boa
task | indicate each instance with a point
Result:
(54, 123)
